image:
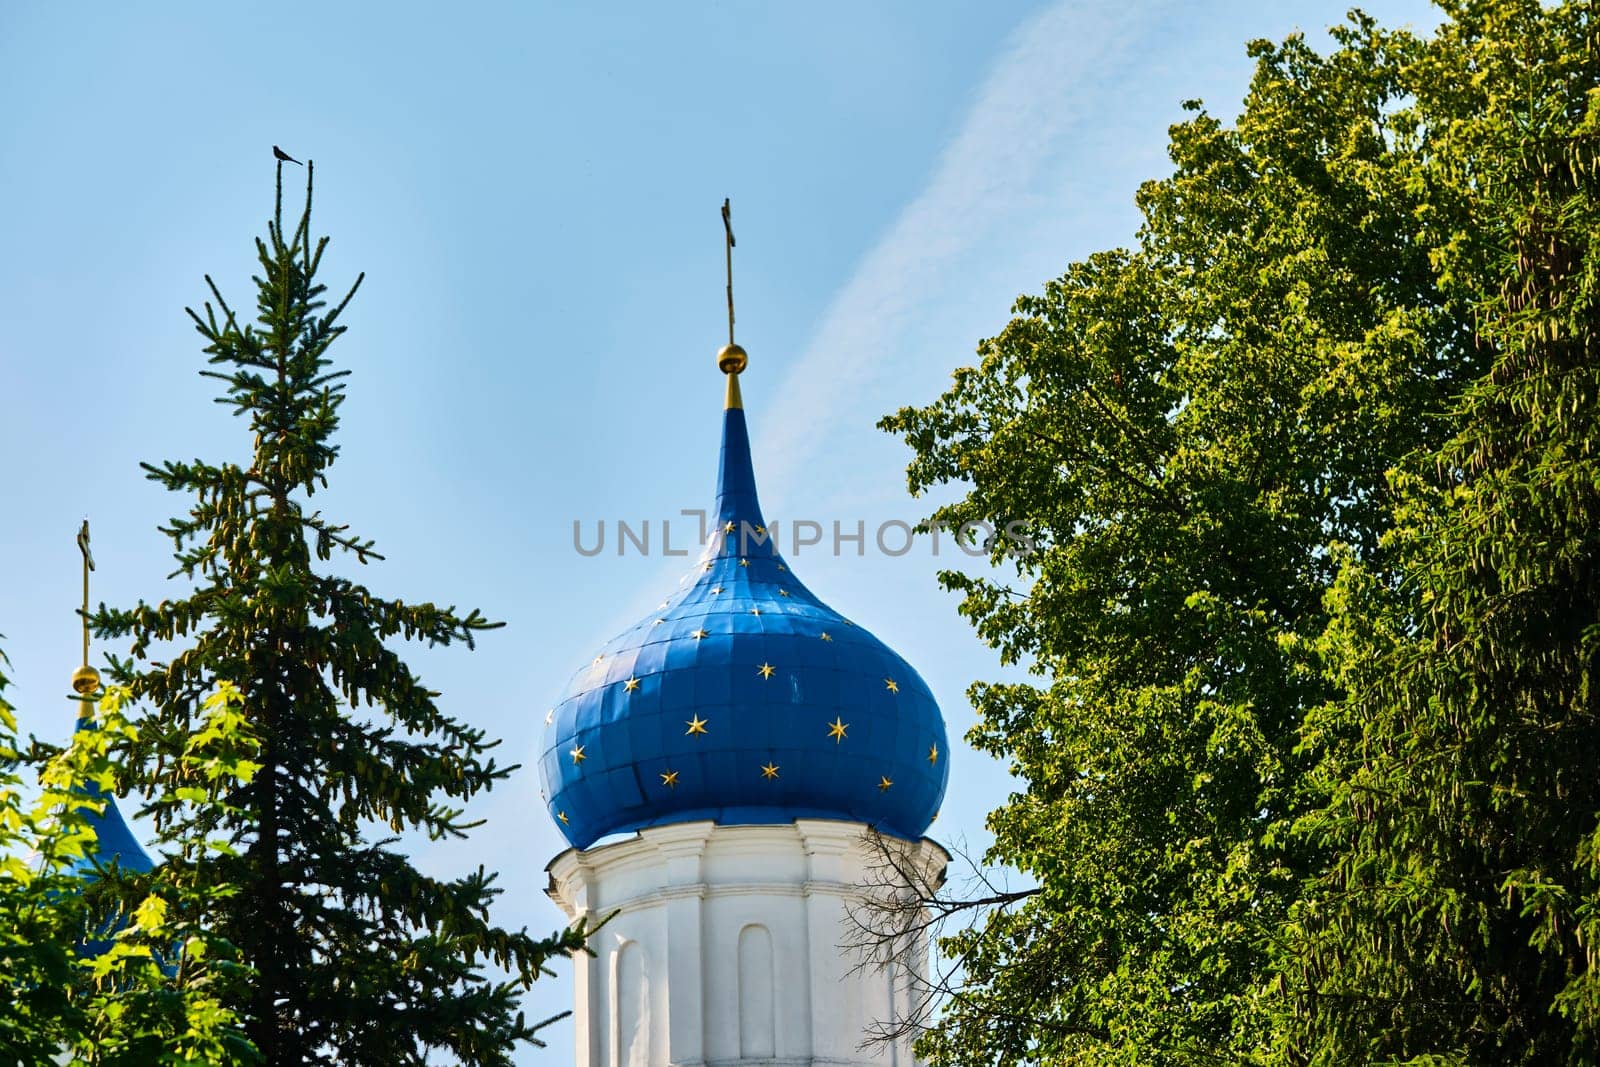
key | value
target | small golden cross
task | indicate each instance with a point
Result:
(88, 565)
(727, 228)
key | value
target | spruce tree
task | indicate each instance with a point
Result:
(1458, 917)
(359, 958)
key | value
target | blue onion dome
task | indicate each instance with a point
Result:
(114, 840)
(743, 699)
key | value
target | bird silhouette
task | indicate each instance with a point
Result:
(284, 156)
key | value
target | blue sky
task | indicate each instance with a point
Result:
(533, 192)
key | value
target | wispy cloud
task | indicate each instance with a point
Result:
(1025, 172)
(1001, 165)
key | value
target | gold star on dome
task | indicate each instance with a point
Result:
(549, 715)
(728, 528)
(766, 670)
(933, 753)
(780, 567)
(670, 779)
(578, 756)
(600, 657)
(783, 592)
(696, 725)
(769, 770)
(761, 531)
(744, 563)
(716, 590)
(884, 782)
(891, 685)
(562, 816)
(662, 604)
(698, 634)
(836, 729)
(708, 566)
(658, 622)
(826, 636)
(755, 611)
(630, 685)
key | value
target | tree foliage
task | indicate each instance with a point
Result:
(1242, 447)
(100, 967)
(39, 916)
(157, 982)
(357, 957)
(1458, 918)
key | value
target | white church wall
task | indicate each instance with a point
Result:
(724, 948)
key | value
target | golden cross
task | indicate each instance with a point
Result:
(88, 565)
(727, 227)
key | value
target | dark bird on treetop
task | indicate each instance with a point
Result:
(286, 157)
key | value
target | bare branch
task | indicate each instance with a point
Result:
(904, 910)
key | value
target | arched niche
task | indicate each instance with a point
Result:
(630, 1007)
(757, 1000)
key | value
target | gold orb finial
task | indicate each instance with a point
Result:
(732, 359)
(85, 680)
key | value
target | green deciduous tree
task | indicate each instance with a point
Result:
(358, 957)
(40, 916)
(1199, 433)
(100, 967)
(157, 981)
